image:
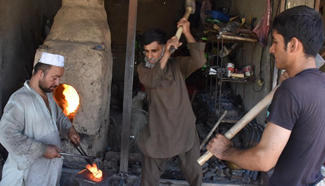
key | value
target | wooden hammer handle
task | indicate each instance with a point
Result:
(186, 16)
(249, 116)
(180, 29)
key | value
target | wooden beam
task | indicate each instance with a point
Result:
(128, 84)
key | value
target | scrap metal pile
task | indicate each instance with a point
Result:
(204, 106)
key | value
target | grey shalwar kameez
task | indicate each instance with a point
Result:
(26, 127)
(171, 130)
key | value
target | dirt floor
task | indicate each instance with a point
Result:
(66, 180)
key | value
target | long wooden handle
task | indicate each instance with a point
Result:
(180, 29)
(249, 116)
(186, 16)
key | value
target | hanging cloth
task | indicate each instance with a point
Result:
(263, 27)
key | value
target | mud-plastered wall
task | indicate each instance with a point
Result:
(81, 34)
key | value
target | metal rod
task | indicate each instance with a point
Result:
(78, 149)
(249, 116)
(128, 84)
(77, 155)
(238, 38)
(82, 152)
(213, 129)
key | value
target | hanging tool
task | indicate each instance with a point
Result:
(249, 116)
(189, 9)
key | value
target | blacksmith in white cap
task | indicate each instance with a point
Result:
(31, 126)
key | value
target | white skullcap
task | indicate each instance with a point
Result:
(52, 59)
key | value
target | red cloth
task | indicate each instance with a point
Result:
(262, 28)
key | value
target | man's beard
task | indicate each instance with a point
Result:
(45, 89)
(150, 63)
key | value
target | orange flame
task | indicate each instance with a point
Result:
(96, 174)
(68, 99)
(72, 98)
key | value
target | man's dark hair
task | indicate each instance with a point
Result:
(154, 35)
(41, 66)
(305, 24)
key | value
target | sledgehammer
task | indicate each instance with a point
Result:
(249, 116)
(189, 9)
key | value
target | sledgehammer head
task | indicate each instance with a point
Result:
(190, 4)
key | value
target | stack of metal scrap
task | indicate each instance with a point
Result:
(215, 171)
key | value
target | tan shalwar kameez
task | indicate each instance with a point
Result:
(171, 130)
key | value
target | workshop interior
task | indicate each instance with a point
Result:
(102, 95)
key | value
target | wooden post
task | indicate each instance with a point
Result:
(276, 71)
(128, 84)
(317, 5)
(282, 5)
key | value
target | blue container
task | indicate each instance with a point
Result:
(219, 15)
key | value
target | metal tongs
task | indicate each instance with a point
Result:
(77, 155)
(83, 153)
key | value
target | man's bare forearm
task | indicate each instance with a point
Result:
(189, 38)
(164, 60)
(250, 159)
